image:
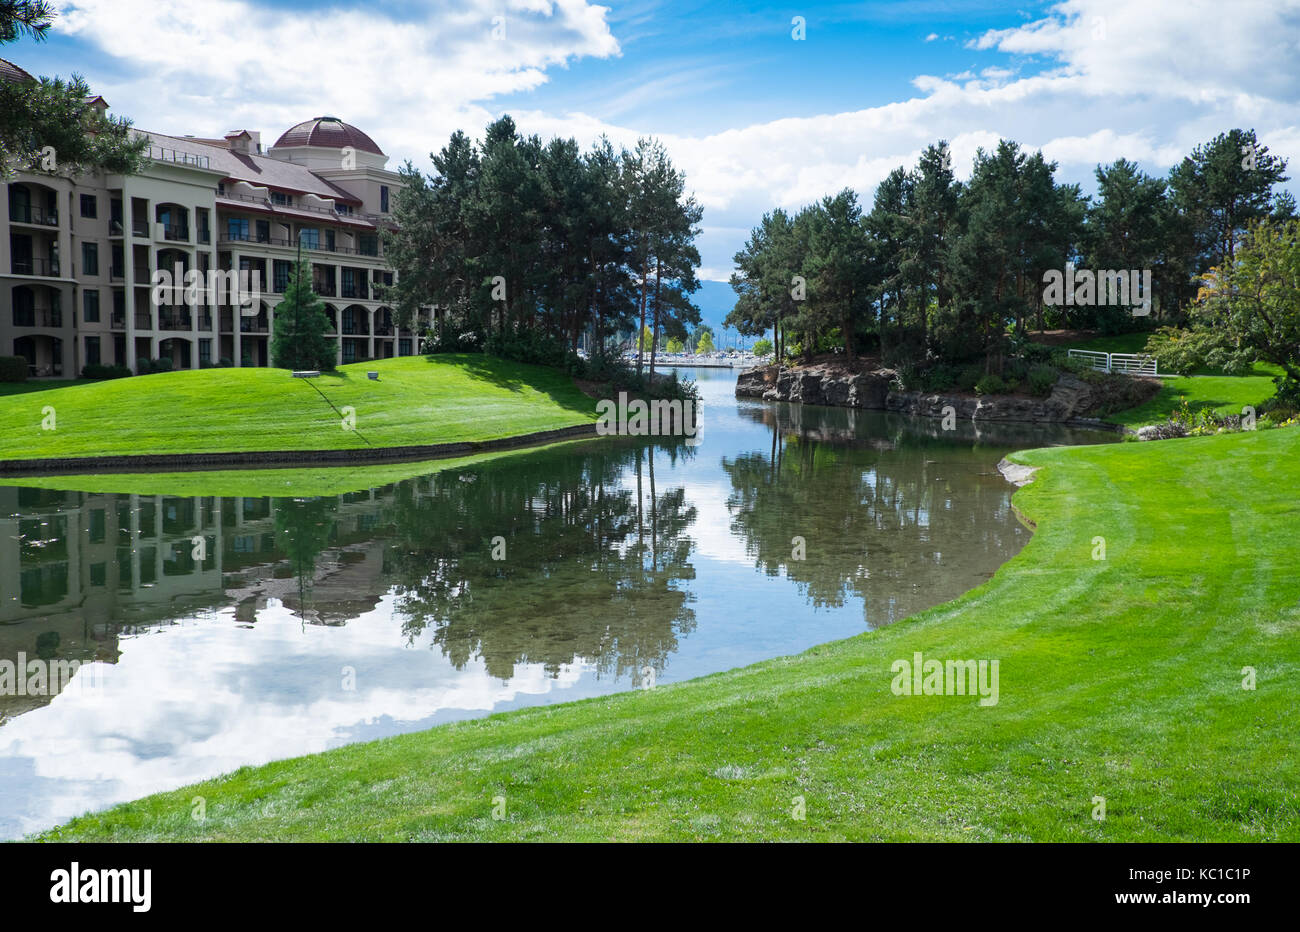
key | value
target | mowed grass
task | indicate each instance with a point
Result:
(302, 482)
(1119, 677)
(1225, 394)
(417, 400)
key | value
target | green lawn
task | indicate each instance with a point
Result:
(1224, 393)
(43, 385)
(1119, 678)
(302, 482)
(417, 400)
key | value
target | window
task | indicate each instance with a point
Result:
(284, 200)
(237, 228)
(349, 351)
(118, 268)
(98, 574)
(369, 244)
(309, 237)
(329, 240)
(90, 258)
(404, 346)
(345, 209)
(264, 231)
(221, 188)
(205, 352)
(90, 310)
(92, 351)
(281, 272)
(383, 198)
(89, 205)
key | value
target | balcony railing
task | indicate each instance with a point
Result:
(25, 213)
(117, 322)
(143, 321)
(160, 154)
(140, 228)
(40, 317)
(205, 237)
(175, 231)
(172, 321)
(252, 325)
(383, 330)
(325, 289)
(116, 272)
(44, 267)
(227, 321)
(142, 276)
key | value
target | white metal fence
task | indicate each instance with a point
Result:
(1129, 363)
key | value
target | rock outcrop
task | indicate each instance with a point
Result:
(1070, 399)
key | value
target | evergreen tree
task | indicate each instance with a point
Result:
(300, 340)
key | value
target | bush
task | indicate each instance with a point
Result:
(99, 371)
(939, 378)
(225, 363)
(13, 369)
(990, 384)
(148, 366)
(1041, 380)
(968, 376)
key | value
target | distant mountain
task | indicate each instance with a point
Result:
(715, 301)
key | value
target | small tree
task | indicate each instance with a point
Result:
(763, 347)
(705, 344)
(1251, 304)
(675, 345)
(300, 340)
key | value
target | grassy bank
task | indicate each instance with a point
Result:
(1119, 678)
(416, 401)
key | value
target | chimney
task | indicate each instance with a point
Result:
(243, 141)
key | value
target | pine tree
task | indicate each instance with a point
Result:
(300, 340)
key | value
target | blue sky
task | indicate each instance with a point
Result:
(755, 117)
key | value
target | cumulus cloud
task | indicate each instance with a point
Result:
(1090, 81)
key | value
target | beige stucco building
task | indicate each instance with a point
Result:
(78, 255)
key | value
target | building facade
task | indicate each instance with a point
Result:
(79, 255)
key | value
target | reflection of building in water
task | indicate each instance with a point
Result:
(77, 569)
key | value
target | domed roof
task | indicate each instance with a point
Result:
(329, 133)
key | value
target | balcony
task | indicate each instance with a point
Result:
(25, 213)
(175, 232)
(325, 289)
(40, 317)
(116, 273)
(252, 325)
(140, 228)
(142, 276)
(143, 321)
(48, 268)
(160, 154)
(205, 237)
(174, 321)
(227, 322)
(205, 322)
(383, 330)
(117, 321)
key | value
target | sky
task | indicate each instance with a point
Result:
(760, 104)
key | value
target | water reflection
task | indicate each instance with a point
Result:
(224, 626)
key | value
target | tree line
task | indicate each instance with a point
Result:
(519, 244)
(940, 270)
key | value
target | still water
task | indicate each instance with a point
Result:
(301, 625)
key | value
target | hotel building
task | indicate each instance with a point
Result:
(78, 255)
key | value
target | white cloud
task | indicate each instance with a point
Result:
(1089, 82)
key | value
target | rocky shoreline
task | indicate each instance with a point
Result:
(1069, 403)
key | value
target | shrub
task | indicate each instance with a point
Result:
(939, 378)
(99, 371)
(968, 376)
(225, 363)
(990, 384)
(13, 369)
(1041, 380)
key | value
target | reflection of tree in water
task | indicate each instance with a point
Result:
(590, 561)
(898, 518)
(303, 528)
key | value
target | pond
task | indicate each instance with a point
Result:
(216, 632)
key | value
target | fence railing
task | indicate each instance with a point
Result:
(1127, 363)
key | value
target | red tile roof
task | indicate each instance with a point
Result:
(327, 132)
(258, 169)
